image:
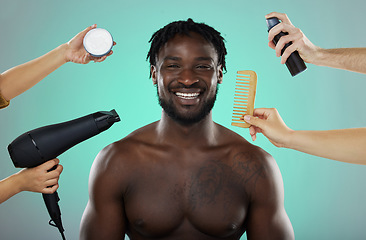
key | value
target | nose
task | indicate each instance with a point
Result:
(187, 77)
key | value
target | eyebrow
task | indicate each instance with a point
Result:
(171, 58)
(197, 59)
(204, 59)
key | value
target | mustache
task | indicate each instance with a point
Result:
(177, 85)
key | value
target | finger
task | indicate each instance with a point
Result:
(271, 44)
(101, 59)
(281, 16)
(277, 30)
(258, 130)
(95, 59)
(273, 32)
(254, 121)
(282, 27)
(110, 53)
(263, 112)
(51, 182)
(49, 164)
(82, 34)
(281, 44)
(60, 168)
(252, 132)
(252, 127)
(50, 190)
(55, 173)
(297, 40)
(88, 29)
(254, 137)
(286, 54)
(56, 160)
(273, 14)
(284, 18)
(87, 58)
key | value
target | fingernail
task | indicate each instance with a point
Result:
(247, 118)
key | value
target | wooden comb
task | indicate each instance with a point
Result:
(246, 84)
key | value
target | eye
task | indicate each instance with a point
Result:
(204, 66)
(172, 66)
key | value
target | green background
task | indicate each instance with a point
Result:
(324, 199)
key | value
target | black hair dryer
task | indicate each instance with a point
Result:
(42, 144)
(294, 62)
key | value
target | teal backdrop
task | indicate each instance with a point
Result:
(324, 199)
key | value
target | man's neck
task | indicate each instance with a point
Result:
(202, 133)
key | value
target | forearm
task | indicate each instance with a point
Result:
(8, 188)
(346, 145)
(351, 59)
(21, 78)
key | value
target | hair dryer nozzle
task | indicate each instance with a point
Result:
(105, 119)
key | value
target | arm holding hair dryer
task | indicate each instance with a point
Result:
(35, 179)
(35, 147)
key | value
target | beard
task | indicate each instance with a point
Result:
(187, 119)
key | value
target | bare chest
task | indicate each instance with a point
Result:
(200, 196)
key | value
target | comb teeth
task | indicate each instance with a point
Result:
(246, 84)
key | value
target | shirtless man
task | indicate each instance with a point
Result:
(185, 176)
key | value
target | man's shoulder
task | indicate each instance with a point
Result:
(247, 157)
(145, 135)
(126, 148)
(116, 164)
(241, 146)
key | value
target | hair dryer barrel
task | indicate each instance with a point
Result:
(42, 144)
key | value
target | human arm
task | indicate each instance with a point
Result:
(351, 59)
(36, 179)
(346, 145)
(267, 218)
(104, 216)
(18, 79)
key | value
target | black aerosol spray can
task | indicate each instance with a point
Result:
(294, 62)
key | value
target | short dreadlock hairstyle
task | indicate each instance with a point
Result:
(163, 35)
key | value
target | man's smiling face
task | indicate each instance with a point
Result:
(186, 74)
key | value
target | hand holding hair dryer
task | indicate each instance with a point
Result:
(42, 144)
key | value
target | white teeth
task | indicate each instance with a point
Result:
(187, 95)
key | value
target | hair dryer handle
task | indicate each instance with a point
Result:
(51, 201)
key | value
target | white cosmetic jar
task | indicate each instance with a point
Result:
(98, 42)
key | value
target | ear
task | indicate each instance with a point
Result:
(220, 74)
(153, 74)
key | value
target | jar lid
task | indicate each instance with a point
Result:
(98, 42)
